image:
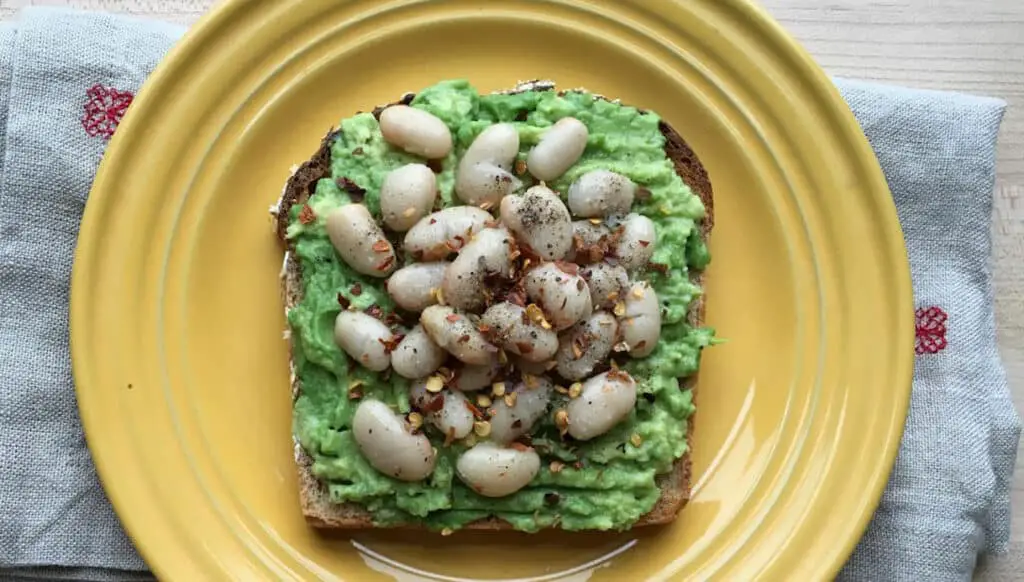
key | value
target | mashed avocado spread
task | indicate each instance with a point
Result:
(606, 483)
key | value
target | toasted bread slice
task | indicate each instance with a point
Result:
(318, 509)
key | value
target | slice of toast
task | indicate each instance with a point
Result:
(318, 509)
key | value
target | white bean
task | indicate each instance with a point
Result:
(363, 337)
(483, 176)
(606, 400)
(512, 329)
(359, 241)
(637, 241)
(414, 287)
(497, 144)
(641, 322)
(561, 292)
(510, 422)
(540, 220)
(601, 193)
(440, 234)
(415, 131)
(473, 378)
(589, 242)
(407, 195)
(417, 356)
(494, 471)
(585, 345)
(486, 254)
(387, 442)
(451, 416)
(484, 184)
(607, 283)
(458, 334)
(559, 148)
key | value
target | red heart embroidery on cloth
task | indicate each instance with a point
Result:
(931, 330)
(104, 108)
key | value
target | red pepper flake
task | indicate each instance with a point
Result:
(452, 317)
(476, 412)
(393, 318)
(391, 344)
(375, 311)
(644, 243)
(386, 264)
(617, 374)
(450, 437)
(381, 246)
(659, 267)
(356, 290)
(578, 347)
(527, 251)
(520, 447)
(483, 328)
(524, 348)
(517, 296)
(433, 220)
(463, 338)
(343, 301)
(491, 223)
(567, 267)
(306, 215)
(433, 404)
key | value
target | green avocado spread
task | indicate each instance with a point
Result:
(605, 483)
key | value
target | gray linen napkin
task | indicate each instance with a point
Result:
(66, 77)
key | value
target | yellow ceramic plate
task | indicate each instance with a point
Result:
(177, 322)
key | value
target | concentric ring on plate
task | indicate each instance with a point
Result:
(789, 418)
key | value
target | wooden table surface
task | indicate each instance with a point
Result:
(975, 46)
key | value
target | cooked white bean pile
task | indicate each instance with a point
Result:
(501, 299)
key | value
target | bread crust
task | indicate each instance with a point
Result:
(316, 505)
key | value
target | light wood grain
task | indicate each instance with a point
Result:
(974, 46)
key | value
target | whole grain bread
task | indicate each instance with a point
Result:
(319, 511)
